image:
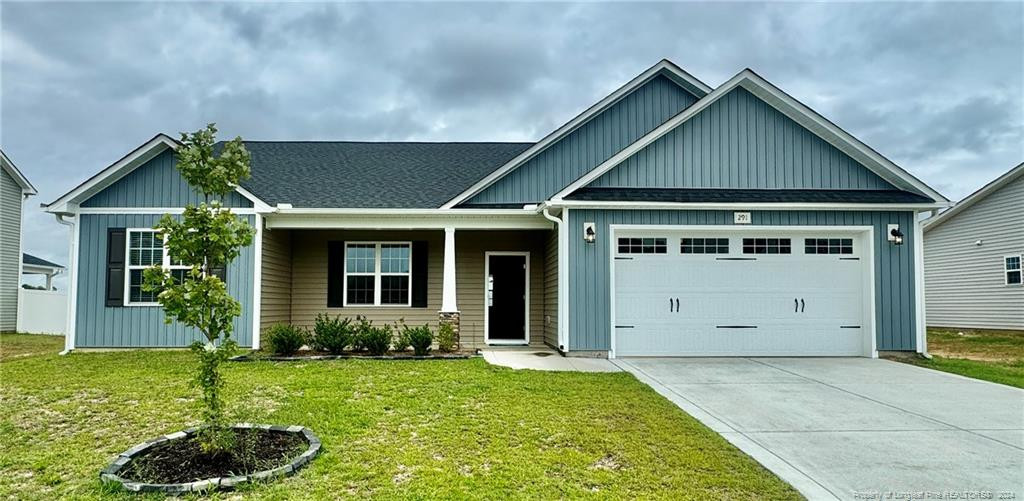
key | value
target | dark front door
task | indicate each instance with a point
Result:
(506, 290)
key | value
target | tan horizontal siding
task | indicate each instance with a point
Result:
(309, 277)
(10, 250)
(276, 285)
(551, 289)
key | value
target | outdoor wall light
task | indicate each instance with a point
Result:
(589, 233)
(895, 235)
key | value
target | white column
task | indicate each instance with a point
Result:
(448, 292)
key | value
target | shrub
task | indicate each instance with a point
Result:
(420, 338)
(377, 340)
(446, 341)
(331, 334)
(360, 331)
(401, 341)
(284, 339)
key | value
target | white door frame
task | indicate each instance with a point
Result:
(526, 302)
(866, 234)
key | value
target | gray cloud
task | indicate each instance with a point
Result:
(937, 87)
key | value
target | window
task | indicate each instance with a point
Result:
(643, 245)
(378, 274)
(828, 246)
(766, 246)
(1011, 266)
(704, 245)
(146, 249)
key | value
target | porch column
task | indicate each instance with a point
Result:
(449, 313)
(448, 293)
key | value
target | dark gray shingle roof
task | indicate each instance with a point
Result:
(30, 259)
(370, 175)
(745, 196)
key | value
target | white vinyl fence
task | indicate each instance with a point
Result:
(42, 312)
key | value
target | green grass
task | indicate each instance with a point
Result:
(992, 355)
(405, 429)
(23, 345)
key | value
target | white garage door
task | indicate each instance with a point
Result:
(747, 293)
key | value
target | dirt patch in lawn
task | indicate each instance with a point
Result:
(977, 344)
(182, 461)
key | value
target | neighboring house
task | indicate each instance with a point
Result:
(14, 189)
(669, 218)
(31, 265)
(973, 258)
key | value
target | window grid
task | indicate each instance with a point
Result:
(146, 248)
(767, 246)
(1012, 269)
(378, 274)
(704, 245)
(643, 246)
(828, 246)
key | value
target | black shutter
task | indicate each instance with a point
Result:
(335, 274)
(220, 272)
(419, 274)
(115, 266)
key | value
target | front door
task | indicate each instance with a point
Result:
(506, 296)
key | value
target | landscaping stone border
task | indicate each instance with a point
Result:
(301, 358)
(110, 473)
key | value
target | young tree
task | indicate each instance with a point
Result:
(206, 237)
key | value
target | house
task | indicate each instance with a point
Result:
(14, 189)
(669, 218)
(972, 258)
(32, 265)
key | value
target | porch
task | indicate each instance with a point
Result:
(465, 278)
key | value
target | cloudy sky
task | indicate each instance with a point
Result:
(935, 87)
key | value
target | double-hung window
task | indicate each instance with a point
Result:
(146, 249)
(378, 274)
(1012, 269)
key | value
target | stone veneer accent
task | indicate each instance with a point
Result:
(451, 318)
(110, 473)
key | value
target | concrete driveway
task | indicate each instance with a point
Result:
(855, 428)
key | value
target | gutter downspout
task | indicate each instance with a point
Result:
(69, 322)
(561, 281)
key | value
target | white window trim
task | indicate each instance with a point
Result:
(128, 267)
(1007, 271)
(377, 274)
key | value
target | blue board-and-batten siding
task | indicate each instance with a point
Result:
(590, 293)
(101, 326)
(156, 183)
(592, 143)
(741, 142)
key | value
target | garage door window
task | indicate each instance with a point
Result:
(643, 245)
(766, 246)
(704, 245)
(828, 246)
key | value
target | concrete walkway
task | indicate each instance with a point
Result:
(542, 359)
(853, 428)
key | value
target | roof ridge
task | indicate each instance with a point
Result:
(301, 141)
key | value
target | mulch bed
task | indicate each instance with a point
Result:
(317, 355)
(183, 461)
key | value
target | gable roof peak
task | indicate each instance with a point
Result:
(979, 195)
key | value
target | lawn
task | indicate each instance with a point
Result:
(992, 355)
(22, 345)
(391, 429)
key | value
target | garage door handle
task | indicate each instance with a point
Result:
(802, 305)
(670, 305)
(796, 306)
(677, 305)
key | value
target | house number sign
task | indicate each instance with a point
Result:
(741, 217)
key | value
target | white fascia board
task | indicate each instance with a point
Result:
(585, 204)
(38, 269)
(413, 219)
(974, 198)
(258, 205)
(67, 203)
(12, 170)
(664, 66)
(787, 106)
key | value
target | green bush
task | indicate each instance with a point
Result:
(377, 340)
(401, 341)
(420, 338)
(446, 340)
(359, 333)
(331, 334)
(285, 339)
